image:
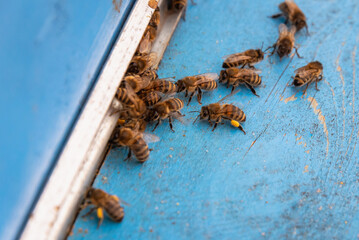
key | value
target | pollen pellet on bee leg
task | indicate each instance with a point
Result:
(235, 123)
(99, 213)
(121, 121)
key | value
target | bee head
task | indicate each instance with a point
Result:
(204, 113)
(179, 6)
(180, 85)
(260, 53)
(284, 48)
(223, 76)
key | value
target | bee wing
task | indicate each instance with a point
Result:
(236, 57)
(145, 44)
(131, 93)
(283, 29)
(207, 77)
(152, 57)
(301, 69)
(179, 117)
(167, 79)
(306, 73)
(150, 138)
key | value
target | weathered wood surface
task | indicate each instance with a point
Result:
(294, 175)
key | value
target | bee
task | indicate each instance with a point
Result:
(215, 112)
(165, 86)
(285, 42)
(150, 34)
(149, 75)
(251, 56)
(235, 76)
(137, 82)
(134, 124)
(293, 14)
(193, 84)
(179, 5)
(140, 64)
(150, 98)
(133, 107)
(313, 71)
(124, 136)
(104, 201)
(165, 109)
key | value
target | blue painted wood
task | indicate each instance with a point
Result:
(295, 173)
(51, 52)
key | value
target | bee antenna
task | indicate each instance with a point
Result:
(262, 46)
(196, 119)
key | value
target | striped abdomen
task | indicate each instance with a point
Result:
(232, 112)
(163, 86)
(208, 86)
(150, 98)
(179, 4)
(229, 64)
(253, 79)
(114, 210)
(140, 149)
(300, 81)
(175, 104)
(122, 95)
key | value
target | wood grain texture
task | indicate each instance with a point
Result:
(293, 176)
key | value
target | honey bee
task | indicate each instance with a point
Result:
(251, 56)
(165, 86)
(150, 98)
(197, 84)
(104, 201)
(124, 136)
(150, 33)
(285, 42)
(134, 124)
(235, 76)
(293, 14)
(166, 109)
(133, 107)
(140, 64)
(137, 82)
(215, 112)
(149, 75)
(179, 5)
(313, 71)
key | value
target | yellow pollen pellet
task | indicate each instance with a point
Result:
(99, 213)
(121, 121)
(234, 123)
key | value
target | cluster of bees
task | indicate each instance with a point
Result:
(145, 98)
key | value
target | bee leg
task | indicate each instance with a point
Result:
(199, 96)
(241, 128)
(190, 98)
(233, 87)
(316, 85)
(296, 52)
(305, 90)
(252, 89)
(186, 95)
(182, 115)
(217, 121)
(89, 212)
(159, 120)
(129, 154)
(100, 216)
(276, 15)
(170, 121)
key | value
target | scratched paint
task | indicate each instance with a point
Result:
(200, 184)
(317, 111)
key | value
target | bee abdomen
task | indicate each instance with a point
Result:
(299, 81)
(209, 85)
(233, 112)
(232, 64)
(114, 210)
(122, 96)
(165, 87)
(175, 104)
(140, 149)
(150, 98)
(257, 80)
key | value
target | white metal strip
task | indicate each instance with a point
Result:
(82, 154)
(80, 157)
